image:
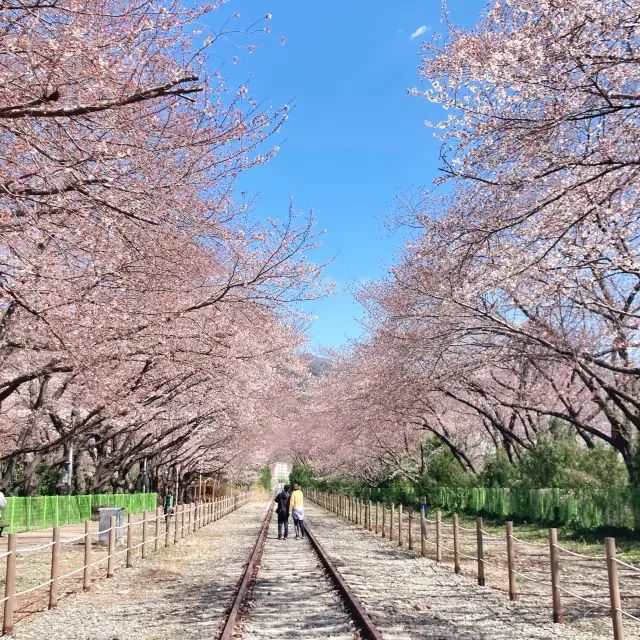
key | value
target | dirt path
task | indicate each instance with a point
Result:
(180, 592)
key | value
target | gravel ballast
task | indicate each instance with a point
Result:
(293, 597)
(180, 592)
(411, 597)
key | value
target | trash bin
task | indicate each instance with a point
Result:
(105, 514)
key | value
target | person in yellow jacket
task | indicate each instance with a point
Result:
(296, 509)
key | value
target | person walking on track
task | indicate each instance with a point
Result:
(296, 507)
(282, 500)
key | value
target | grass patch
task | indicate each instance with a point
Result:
(590, 542)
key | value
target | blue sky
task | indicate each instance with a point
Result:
(354, 138)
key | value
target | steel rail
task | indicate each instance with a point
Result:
(367, 628)
(230, 623)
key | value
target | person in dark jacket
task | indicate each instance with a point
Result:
(168, 503)
(282, 509)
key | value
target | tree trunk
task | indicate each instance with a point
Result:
(81, 483)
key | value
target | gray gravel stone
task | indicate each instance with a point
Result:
(180, 592)
(293, 597)
(408, 596)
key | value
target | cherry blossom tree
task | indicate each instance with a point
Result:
(147, 321)
(516, 300)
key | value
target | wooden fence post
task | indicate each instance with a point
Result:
(55, 565)
(400, 537)
(438, 537)
(423, 530)
(112, 544)
(156, 542)
(480, 551)
(10, 585)
(86, 579)
(176, 530)
(377, 509)
(384, 520)
(456, 544)
(554, 553)
(370, 515)
(167, 528)
(391, 522)
(144, 535)
(511, 562)
(129, 542)
(182, 522)
(410, 531)
(614, 588)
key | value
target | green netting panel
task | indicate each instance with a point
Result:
(42, 512)
(549, 506)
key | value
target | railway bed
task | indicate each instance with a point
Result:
(291, 589)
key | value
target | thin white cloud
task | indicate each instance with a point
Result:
(418, 32)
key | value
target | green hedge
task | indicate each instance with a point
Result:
(42, 512)
(552, 506)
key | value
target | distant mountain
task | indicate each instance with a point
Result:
(319, 366)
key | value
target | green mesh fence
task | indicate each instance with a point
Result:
(552, 506)
(42, 512)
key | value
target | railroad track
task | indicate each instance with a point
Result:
(291, 589)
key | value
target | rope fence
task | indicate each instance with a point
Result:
(184, 520)
(390, 522)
